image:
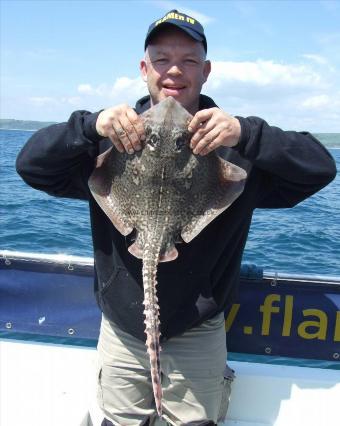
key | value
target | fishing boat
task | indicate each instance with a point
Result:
(283, 334)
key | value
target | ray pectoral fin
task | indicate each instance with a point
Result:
(136, 251)
(230, 172)
(111, 209)
(198, 223)
(100, 183)
(100, 179)
(169, 255)
(231, 181)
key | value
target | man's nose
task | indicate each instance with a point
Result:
(174, 70)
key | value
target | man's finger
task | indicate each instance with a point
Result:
(116, 142)
(122, 136)
(206, 142)
(200, 117)
(130, 132)
(213, 145)
(203, 130)
(137, 123)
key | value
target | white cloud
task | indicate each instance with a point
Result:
(72, 100)
(316, 101)
(86, 89)
(321, 61)
(263, 73)
(89, 97)
(122, 89)
(329, 46)
(42, 100)
(129, 86)
(48, 101)
(316, 58)
(322, 101)
(292, 96)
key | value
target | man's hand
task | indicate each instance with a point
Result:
(123, 126)
(212, 128)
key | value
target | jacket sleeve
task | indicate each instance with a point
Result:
(293, 165)
(59, 159)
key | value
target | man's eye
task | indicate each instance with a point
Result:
(160, 61)
(190, 61)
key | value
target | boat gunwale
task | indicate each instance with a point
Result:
(273, 277)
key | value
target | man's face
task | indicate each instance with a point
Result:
(175, 65)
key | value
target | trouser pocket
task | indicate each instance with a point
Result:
(99, 387)
(229, 376)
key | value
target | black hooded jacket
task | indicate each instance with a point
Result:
(284, 168)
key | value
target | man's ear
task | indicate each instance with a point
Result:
(143, 69)
(206, 70)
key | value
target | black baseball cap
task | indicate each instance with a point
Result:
(180, 20)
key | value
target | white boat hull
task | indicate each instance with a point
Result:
(54, 385)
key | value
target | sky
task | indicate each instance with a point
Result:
(278, 60)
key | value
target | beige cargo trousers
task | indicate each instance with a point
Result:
(195, 379)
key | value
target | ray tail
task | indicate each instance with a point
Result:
(151, 313)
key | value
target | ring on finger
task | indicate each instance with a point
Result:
(120, 132)
(207, 142)
(202, 145)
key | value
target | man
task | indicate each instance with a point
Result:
(283, 169)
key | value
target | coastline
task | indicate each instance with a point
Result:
(20, 130)
(329, 140)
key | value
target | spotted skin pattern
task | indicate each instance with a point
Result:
(166, 194)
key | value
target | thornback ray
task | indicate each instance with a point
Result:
(166, 194)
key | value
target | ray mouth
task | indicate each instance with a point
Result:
(163, 156)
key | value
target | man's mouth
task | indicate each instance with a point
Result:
(173, 90)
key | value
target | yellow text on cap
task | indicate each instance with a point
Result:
(174, 15)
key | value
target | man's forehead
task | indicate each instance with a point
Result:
(165, 49)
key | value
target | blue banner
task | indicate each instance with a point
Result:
(279, 317)
(292, 319)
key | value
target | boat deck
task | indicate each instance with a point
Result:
(53, 385)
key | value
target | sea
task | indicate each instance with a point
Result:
(300, 240)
